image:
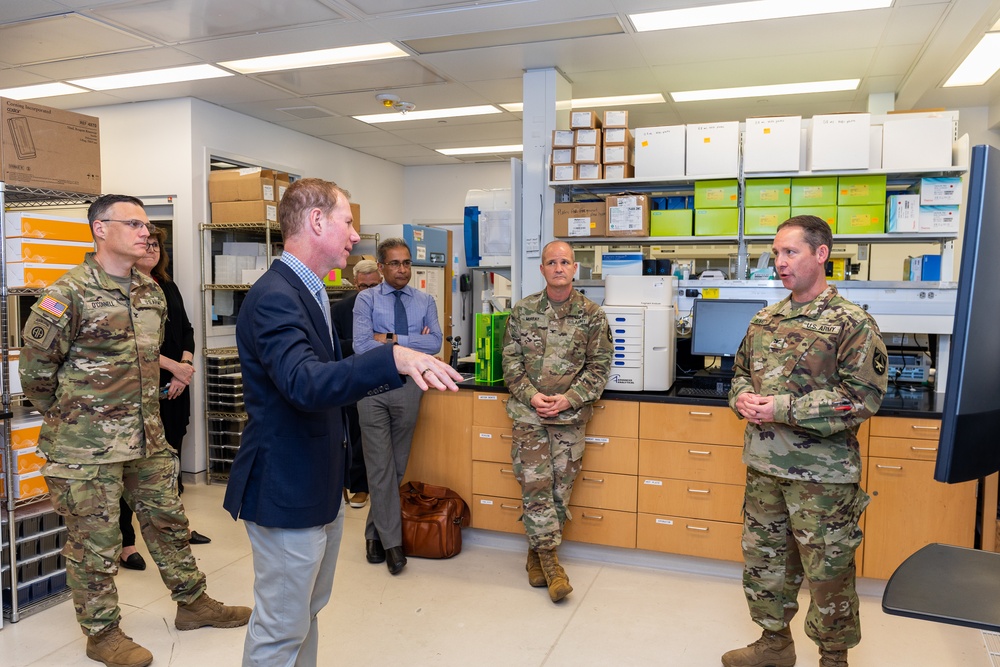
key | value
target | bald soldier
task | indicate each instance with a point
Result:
(556, 361)
(810, 371)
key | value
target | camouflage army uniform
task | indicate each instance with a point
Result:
(824, 363)
(553, 349)
(90, 365)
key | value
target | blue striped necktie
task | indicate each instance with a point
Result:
(401, 322)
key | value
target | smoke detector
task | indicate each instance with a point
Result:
(393, 102)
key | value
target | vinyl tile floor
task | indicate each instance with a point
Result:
(628, 607)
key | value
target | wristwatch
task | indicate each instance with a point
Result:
(186, 361)
(389, 338)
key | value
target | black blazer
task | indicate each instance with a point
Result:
(290, 467)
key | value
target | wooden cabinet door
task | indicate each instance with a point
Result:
(691, 537)
(496, 513)
(619, 418)
(601, 526)
(906, 427)
(441, 449)
(611, 454)
(679, 460)
(605, 490)
(490, 409)
(691, 423)
(491, 443)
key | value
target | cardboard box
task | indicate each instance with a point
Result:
(716, 221)
(671, 222)
(589, 172)
(768, 192)
(660, 151)
(713, 149)
(46, 251)
(764, 220)
(587, 154)
(618, 154)
(772, 144)
(617, 172)
(563, 138)
(902, 214)
(281, 183)
(26, 274)
(25, 486)
(828, 213)
(48, 148)
(616, 119)
(562, 156)
(563, 172)
(621, 264)
(584, 119)
(861, 219)
(588, 138)
(840, 141)
(26, 460)
(938, 220)
(245, 211)
(866, 190)
(30, 224)
(916, 143)
(716, 194)
(24, 435)
(574, 219)
(820, 191)
(618, 135)
(945, 191)
(247, 184)
(628, 215)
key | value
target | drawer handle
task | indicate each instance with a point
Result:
(504, 471)
(699, 490)
(593, 479)
(509, 507)
(596, 517)
(924, 449)
(699, 414)
(703, 529)
(504, 400)
(504, 436)
(699, 453)
(594, 443)
(879, 465)
(598, 406)
(918, 427)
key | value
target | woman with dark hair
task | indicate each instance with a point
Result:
(176, 373)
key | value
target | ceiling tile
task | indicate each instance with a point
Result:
(430, 160)
(894, 60)
(276, 42)
(363, 140)
(913, 25)
(116, 63)
(433, 96)
(59, 37)
(397, 73)
(20, 10)
(453, 135)
(384, 7)
(325, 126)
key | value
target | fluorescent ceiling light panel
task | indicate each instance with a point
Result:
(766, 91)
(428, 115)
(41, 90)
(482, 150)
(152, 77)
(323, 57)
(980, 65)
(617, 100)
(740, 12)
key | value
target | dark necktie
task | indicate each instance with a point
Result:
(402, 324)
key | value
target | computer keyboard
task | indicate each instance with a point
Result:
(703, 392)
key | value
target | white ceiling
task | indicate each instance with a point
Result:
(485, 46)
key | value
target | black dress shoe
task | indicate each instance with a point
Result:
(395, 559)
(374, 552)
(198, 538)
(133, 562)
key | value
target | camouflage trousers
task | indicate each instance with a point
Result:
(794, 530)
(546, 462)
(87, 495)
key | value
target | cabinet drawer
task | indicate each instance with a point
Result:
(619, 418)
(691, 537)
(496, 513)
(903, 448)
(491, 443)
(905, 427)
(490, 409)
(605, 490)
(690, 423)
(700, 500)
(611, 454)
(705, 463)
(494, 479)
(601, 526)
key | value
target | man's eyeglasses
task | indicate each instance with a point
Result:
(395, 264)
(134, 225)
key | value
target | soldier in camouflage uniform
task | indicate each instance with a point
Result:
(810, 370)
(556, 361)
(90, 365)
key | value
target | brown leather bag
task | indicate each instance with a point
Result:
(433, 518)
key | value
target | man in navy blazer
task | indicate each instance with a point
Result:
(288, 473)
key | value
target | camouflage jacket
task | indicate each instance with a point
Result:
(90, 365)
(825, 365)
(556, 349)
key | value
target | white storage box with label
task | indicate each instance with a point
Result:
(621, 264)
(902, 214)
(659, 151)
(938, 220)
(42, 226)
(916, 143)
(840, 141)
(772, 144)
(713, 149)
(945, 191)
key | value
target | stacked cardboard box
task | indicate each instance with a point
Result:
(41, 247)
(246, 195)
(592, 145)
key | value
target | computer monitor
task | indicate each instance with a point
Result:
(718, 327)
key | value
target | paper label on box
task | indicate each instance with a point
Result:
(857, 190)
(812, 192)
(707, 140)
(645, 143)
(769, 195)
(625, 218)
(246, 171)
(715, 194)
(564, 172)
(767, 130)
(269, 192)
(272, 212)
(579, 226)
(860, 220)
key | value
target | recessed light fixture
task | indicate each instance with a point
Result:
(428, 115)
(612, 101)
(152, 77)
(740, 12)
(338, 56)
(41, 90)
(980, 65)
(761, 91)
(482, 150)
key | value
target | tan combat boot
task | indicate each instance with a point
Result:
(116, 649)
(206, 611)
(536, 577)
(555, 575)
(832, 658)
(773, 649)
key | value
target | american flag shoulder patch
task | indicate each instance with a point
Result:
(53, 306)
